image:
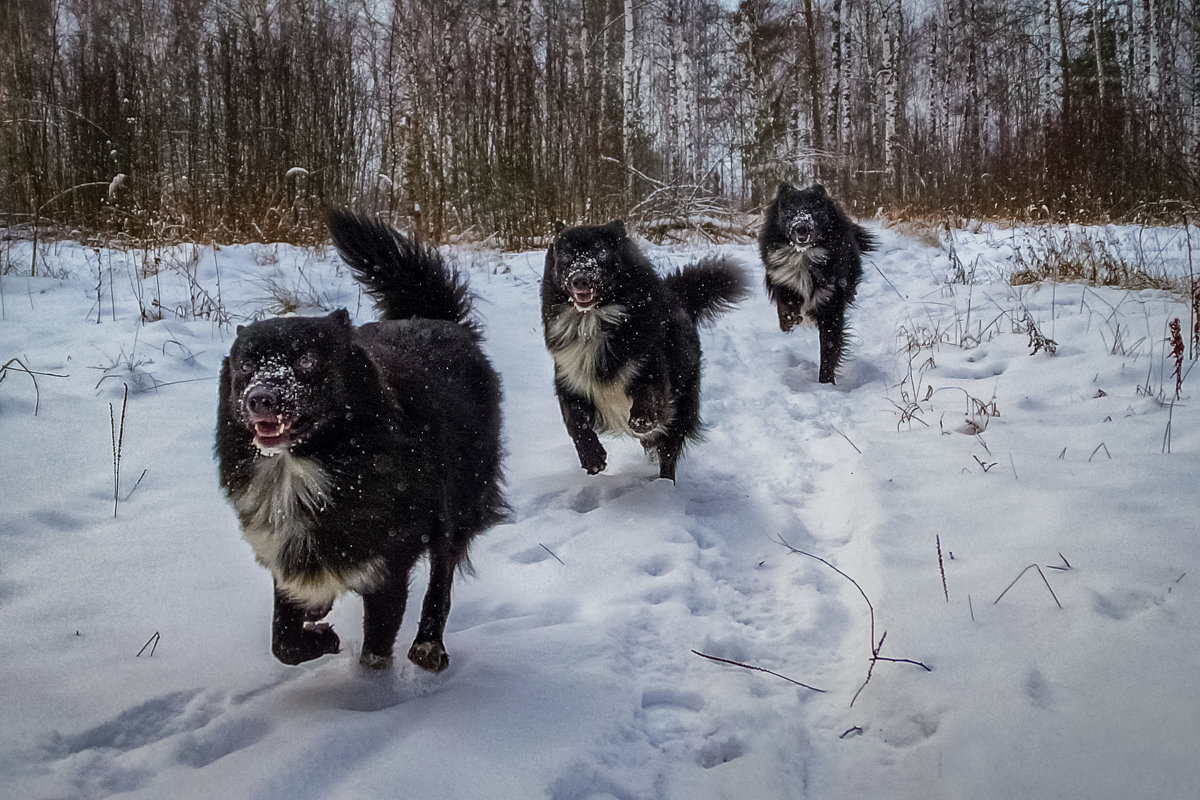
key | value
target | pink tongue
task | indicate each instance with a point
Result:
(269, 430)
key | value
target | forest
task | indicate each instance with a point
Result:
(236, 120)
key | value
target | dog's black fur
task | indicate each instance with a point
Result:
(625, 343)
(813, 257)
(349, 452)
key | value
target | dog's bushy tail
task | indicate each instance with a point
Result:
(406, 278)
(864, 239)
(709, 288)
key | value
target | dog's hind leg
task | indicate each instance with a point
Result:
(383, 611)
(428, 651)
(294, 637)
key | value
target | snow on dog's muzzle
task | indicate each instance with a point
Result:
(263, 408)
(584, 289)
(802, 230)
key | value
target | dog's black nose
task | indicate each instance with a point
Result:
(581, 282)
(262, 400)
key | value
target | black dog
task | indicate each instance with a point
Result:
(625, 342)
(813, 257)
(350, 452)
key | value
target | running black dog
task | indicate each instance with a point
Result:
(349, 452)
(625, 343)
(813, 257)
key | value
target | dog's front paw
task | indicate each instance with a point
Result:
(375, 661)
(306, 644)
(642, 424)
(429, 655)
(592, 458)
(317, 613)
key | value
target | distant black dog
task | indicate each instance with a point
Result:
(350, 452)
(812, 254)
(625, 342)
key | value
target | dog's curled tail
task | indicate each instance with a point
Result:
(709, 288)
(407, 278)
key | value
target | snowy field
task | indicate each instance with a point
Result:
(948, 462)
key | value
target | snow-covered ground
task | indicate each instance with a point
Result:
(947, 462)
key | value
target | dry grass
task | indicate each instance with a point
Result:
(1067, 255)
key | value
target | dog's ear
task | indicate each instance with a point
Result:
(784, 188)
(560, 225)
(341, 317)
(618, 227)
(224, 397)
(819, 190)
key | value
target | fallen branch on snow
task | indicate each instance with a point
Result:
(875, 647)
(756, 669)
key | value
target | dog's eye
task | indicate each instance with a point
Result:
(601, 253)
(246, 366)
(306, 362)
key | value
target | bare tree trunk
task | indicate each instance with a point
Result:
(1195, 115)
(1064, 61)
(1097, 13)
(813, 87)
(844, 84)
(891, 96)
(1151, 61)
(835, 89)
(689, 111)
(628, 101)
(972, 129)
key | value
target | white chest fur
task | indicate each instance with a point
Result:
(579, 342)
(280, 502)
(278, 512)
(792, 267)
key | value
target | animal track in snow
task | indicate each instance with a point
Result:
(1122, 605)
(583, 781)
(657, 566)
(144, 724)
(532, 555)
(203, 747)
(912, 730)
(669, 716)
(720, 751)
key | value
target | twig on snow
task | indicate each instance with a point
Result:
(1064, 568)
(16, 365)
(152, 643)
(847, 438)
(757, 669)
(942, 567)
(551, 552)
(1014, 583)
(875, 648)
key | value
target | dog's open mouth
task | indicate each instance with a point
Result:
(272, 433)
(584, 290)
(584, 300)
(802, 232)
